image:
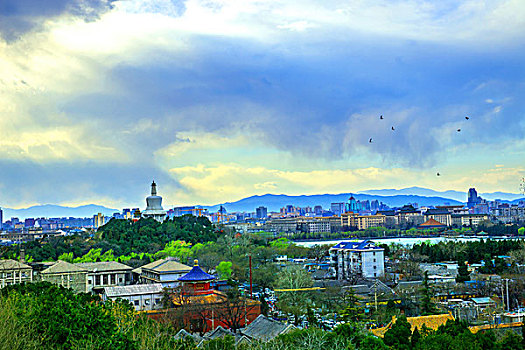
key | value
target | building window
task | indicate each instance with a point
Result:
(374, 253)
(374, 260)
(89, 281)
(136, 302)
(113, 278)
(105, 279)
(120, 280)
(375, 274)
(157, 301)
(97, 280)
(375, 267)
(146, 302)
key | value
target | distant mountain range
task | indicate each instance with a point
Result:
(276, 201)
(57, 211)
(456, 195)
(391, 197)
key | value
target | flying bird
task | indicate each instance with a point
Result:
(438, 174)
(393, 129)
(459, 130)
(467, 118)
(381, 116)
(370, 140)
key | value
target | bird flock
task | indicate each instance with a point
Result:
(370, 140)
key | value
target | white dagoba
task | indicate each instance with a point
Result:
(154, 205)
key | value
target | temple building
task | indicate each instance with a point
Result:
(154, 208)
(204, 308)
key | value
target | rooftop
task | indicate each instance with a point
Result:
(431, 223)
(137, 289)
(433, 322)
(196, 274)
(366, 244)
(10, 264)
(264, 328)
(64, 267)
(104, 266)
(166, 265)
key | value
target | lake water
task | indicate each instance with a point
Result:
(407, 241)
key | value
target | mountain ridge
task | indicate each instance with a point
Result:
(391, 197)
(57, 211)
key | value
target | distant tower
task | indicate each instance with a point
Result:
(352, 205)
(261, 212)
(154, 205)
(1, 218)
(472, 198)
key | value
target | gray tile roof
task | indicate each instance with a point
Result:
(221, 332)
(9, 264)
(63, 267)
(184, 334)
(166, 266)
(264, 328)
(137, 289)
(104, 266)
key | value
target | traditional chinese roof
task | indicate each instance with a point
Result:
(433, 322)
(432, 223)
(221, 332)
(437, 211)
(196, 274)
(264, 328)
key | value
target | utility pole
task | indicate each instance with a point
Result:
(503, 295)
(508, 300)
(250, 277)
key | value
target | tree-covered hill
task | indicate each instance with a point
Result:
(120, 238)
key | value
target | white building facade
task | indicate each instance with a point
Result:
(142, 296)
(357, 259)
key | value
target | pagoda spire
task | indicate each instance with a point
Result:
(153, 188)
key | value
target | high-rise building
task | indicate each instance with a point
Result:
(1, 218)
(261, 212)
(472, 198)
(29, 222)
(318, 210)
(337, 208)
(352, 205)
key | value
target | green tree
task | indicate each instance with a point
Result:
(372, 343)
(511, 341)
(294, 301)
(224, 269)
(416, 337)
(398, 336)
(463, 274)
(353, 311)
(427, 305)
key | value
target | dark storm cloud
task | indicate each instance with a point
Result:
(327, 106)
(18, 17)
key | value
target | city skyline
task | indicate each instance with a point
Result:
(218, 101)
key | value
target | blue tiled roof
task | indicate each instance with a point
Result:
(196, 274)
(355, 245)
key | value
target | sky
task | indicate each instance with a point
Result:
(218, 100)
